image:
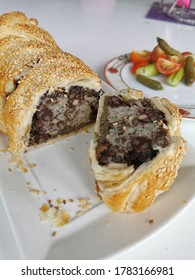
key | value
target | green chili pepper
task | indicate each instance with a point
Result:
(148, 70)
(166, 48)
(149, 82)
(189, 71)
(174, 79)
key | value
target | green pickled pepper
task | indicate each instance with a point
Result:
(189, 71)
(149, 82)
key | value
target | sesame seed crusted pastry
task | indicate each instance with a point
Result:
(45, 94)
(17, 24)
(18, 62)
(136, 149)
(23, 44)
(55, 99)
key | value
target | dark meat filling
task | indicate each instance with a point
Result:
(131, 132)
(63, 112)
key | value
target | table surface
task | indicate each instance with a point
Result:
(97, 31)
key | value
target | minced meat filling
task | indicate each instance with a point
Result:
(63, 112)
(131, 132)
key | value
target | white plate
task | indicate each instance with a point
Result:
(117, 74)
(62, 171)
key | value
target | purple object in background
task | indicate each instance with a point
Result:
(156, 12)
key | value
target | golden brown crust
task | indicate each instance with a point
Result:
(21, 105)
(125, 189)
(15, 17)
(17, 24)
(31, 64)
(17, 62)
(22, 44)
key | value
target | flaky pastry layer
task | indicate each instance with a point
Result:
(31, 65)
(22, 104)
(126, 189)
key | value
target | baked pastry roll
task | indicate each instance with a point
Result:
(45, 94)
(18, 61)
(37, 73)
(136, 149)
(17, 24)
(23, 44)
(54, 99)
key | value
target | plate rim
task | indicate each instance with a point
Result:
(184, 110)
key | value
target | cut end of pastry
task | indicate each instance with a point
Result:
(136, 149)
(45, 113)
(45, 94)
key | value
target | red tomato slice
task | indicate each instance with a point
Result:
(138, 56)
(167, 67)
(182, 62)
(175, 58)
(185, 53)
(156, 53)
(138, 65)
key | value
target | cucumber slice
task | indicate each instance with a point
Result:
(174, 79)
(148, 70)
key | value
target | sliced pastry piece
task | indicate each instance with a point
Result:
(16, 63)
(136, 149)
(53, 100)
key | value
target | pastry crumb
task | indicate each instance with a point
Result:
(83, 205)
(24, 169)
(36, 191)
(151, 221)
(44, 208)
(54, 214)
(79, 213)
(42, 217)
(32, 165)
(58, 217)
(59, 201)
